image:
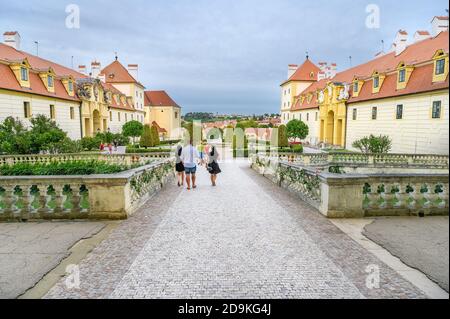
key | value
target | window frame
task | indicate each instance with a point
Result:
(354, 114)
(402, 76)
(399, 115)
(440, 63)
(374, 113)
(24, 74)
(72, 113)
(52, 112)
(26, 109)
(433, 112)
(376, 79)
(50, 81)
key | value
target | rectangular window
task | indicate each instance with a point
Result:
(126, 117)
(307, 117)
(440, 66)
(356, 87)
(374, 113)
(52, 112)
(24, 74)
(376, 82)
(317, 116)
(399, 114)
(355, 114)
(132, 117)
(72, 113)
(300, 117)
(26, 110)
(50, 81)
(118, 116)
(70, 86)
(176, 115)
(110, 116)
(402, 76)
(436, 112)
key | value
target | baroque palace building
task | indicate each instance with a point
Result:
(81, 103)
(402, 93)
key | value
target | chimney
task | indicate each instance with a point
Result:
(133, 70)
(82, 69)
(400, 42)
(95, 69)
(439, 24)
(421, 35)
(326, 71)
(12, 38)
(291, 70)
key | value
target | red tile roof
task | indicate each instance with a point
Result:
(160, 129)
(303, 73)
(114, 104)
(158, 98)
(9, 53)
(414, 54)
(9, 81)
(117, 73)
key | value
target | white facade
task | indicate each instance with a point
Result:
(288, 92)
(67, 113)
(416, 133)
(118, 117)
(310, 118)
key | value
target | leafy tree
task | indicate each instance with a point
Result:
(132, 129)
(374, 144)
(155, 135)
(45, 135)
(14, 137)
(147, 138)
(297, 129)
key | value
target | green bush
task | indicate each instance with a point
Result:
(61, 168)
(155, 135)
(147, 137)
(132, 129)
(374, 144)
(297, 148)
(297, 129)
(90, 143)
(281, 139)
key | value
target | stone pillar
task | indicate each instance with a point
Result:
(342, 197)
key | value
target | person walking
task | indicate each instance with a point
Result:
(189, 157)
(213, 165)
(179, 166)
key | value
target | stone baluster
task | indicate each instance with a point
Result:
(9, 201)
(389, 196)
(59, 199)
(43, 199)
(26, 199)
(76, 199)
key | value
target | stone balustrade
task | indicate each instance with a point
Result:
(359, 195)
(125, 159)
(105, 196)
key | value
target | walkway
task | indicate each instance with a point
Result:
(245, 238)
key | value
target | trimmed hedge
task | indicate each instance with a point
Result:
(133, 150)
(62, 168)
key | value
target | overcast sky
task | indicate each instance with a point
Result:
(226, 56)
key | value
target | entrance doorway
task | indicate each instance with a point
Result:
(96, 120)
(330, 128)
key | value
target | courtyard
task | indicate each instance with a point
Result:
(246, 238)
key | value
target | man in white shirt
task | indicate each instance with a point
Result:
(189, 157)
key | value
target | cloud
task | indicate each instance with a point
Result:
(213, 55)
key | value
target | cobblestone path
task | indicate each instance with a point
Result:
(245, 238)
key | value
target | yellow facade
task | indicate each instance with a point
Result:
(94, 108)
(167, 117)
(333, 114)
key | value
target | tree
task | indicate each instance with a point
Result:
(282, 136)
(132, 129)
(45, 135)
(297, 129)
(155, 135)
(374, 144)
(14, 137)
(147, 138)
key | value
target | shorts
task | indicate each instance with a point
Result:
(190, 170)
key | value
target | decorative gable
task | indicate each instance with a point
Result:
(357, 85)
(440, 60)
(69, 85)
(403, 74)
(48, 78)
(21, 70)
(377, 81)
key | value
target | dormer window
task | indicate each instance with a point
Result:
(70, 86)
(49, 81)
(376, 82)
(402, 76)
(440, 67)
(23, 74)
(356, 87)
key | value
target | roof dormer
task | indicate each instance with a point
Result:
(48, 78)
(21, 70)
(403, 74)
(377, 81)
(357, 85)
(440, 70)
(69, 85)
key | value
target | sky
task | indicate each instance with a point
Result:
(219, 56)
